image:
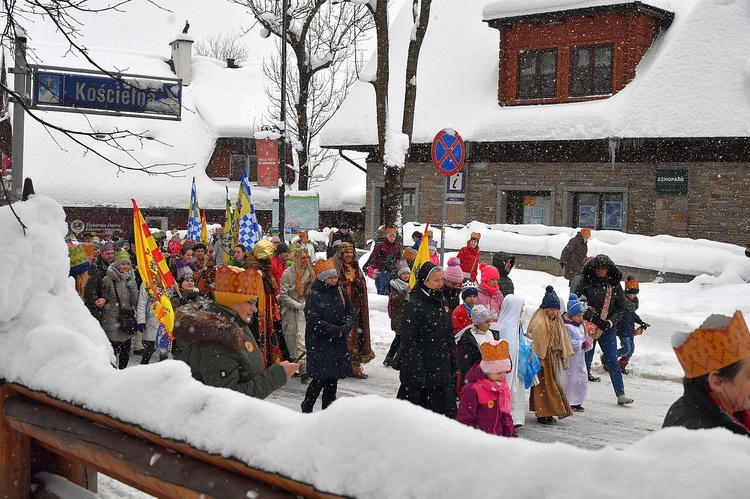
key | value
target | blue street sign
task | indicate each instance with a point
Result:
(448, 152)
(129, 94)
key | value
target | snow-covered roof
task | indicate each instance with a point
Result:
(693, 82)
(219, 102)
(513, 8)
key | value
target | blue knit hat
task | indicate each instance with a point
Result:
(550, 299)
(575, 307)
(469, 291)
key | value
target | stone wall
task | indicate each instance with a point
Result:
(715, 207)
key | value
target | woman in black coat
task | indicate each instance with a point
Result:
(428, 354)
(600, 278)
(330, 316)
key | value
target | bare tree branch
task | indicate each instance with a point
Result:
(323, 38)
(63, 14)
(223, 47)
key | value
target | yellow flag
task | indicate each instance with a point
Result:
(423, 255)
(204, 228)
(154, 271)
(227, 233)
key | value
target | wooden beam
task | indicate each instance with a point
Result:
(233, 465)
(150, 468)
(15, 454)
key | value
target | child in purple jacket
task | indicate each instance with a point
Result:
(485, 399)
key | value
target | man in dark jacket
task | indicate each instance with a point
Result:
(572, 256)
(716, 361)
(428, 353)
(504, 262)
(93, 294)
(606, 301)
(218, 344)
(329, 316)
(343, 235)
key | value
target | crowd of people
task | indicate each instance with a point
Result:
(249, 319)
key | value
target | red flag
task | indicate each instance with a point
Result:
(4, 163)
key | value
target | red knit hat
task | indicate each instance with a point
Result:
(488, 272)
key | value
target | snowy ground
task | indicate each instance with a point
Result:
(654, 382)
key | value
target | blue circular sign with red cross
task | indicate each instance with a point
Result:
(448, 152)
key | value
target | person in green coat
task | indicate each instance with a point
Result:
(219, 346)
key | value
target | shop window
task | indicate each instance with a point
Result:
(591, 70)
(599, 211)
(537, 74)
(529, 207)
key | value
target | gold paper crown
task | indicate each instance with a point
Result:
(493, 351)
(302, 233)
(390, 230)
(346, 247)
(323, 265)
(476, 235)
(263, 250)
(709, 348)
(235, 285)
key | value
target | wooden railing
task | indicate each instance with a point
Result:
(40, 433)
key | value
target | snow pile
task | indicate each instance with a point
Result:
(726, 262)
(364, 447)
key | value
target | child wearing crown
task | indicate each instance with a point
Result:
(485, 400)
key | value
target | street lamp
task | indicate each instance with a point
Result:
(282, 120)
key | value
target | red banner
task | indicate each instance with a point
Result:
(268, 162)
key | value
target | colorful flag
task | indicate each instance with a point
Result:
(423, 255)
(246, 227)
(194, 219)
(154, 271)
(227, 237)
(204, 228)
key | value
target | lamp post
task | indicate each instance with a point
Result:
(282, 124)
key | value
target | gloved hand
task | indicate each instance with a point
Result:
(141, 327)
(590, 315)
(645, 325)
(602, 324)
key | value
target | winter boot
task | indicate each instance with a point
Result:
(624, 399)
(623, 365)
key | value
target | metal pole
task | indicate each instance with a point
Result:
(282, 119)
(22, 86)
(442, 227)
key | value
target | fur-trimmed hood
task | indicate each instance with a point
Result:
(614, 275)
(209, 324)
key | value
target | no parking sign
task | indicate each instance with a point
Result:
(448, 152)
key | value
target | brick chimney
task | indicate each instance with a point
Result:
(182, 48)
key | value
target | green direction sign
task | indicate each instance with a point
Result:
(672, 181)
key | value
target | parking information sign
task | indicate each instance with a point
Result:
(455, 189)
(448, 152)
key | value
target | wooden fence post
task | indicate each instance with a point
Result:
(15, 454)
